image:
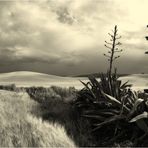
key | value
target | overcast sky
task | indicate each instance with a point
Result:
(66, 37)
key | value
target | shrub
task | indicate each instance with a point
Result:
(59, 111)
(43, 95)
(10, 87)
(64, 92)
(58, 108)
(112, 108)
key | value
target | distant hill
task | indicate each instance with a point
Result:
(28, 76)
(139, 81)
(27, 79)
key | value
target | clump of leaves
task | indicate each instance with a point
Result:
(113, 109)
(93, 93)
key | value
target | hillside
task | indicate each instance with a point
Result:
(27, 79)
(138, 81)
(28, 76)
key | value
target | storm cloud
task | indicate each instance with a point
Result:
(66, 37)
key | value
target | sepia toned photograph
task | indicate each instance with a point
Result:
(74, 73)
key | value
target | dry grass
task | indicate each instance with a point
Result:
(18, 128)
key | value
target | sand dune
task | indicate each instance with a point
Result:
(26, 78)
(138, 81)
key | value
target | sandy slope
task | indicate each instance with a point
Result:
(139, 81)
(26, 78)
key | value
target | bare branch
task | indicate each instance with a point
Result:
(113, 48)
(118, 37)
(116, 57)
(116, 28)
(119, 43)
(116, 48)
(118, 51)
(108, 43)
(111, 35)
(107, 46)
(106, 55)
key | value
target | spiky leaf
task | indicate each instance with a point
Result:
(138, 117)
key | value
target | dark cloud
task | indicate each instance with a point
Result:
(64, 16)
(8, 56)
(66, 37)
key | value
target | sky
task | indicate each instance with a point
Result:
(66, 37)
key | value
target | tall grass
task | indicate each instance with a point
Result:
(18, 127)
(56, 105)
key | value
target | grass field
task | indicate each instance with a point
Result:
(20, 128)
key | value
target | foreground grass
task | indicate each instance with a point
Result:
(18, 127)
(55, 105)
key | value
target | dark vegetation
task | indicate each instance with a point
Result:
(11, 87)
(98, 75)
(118, 115)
